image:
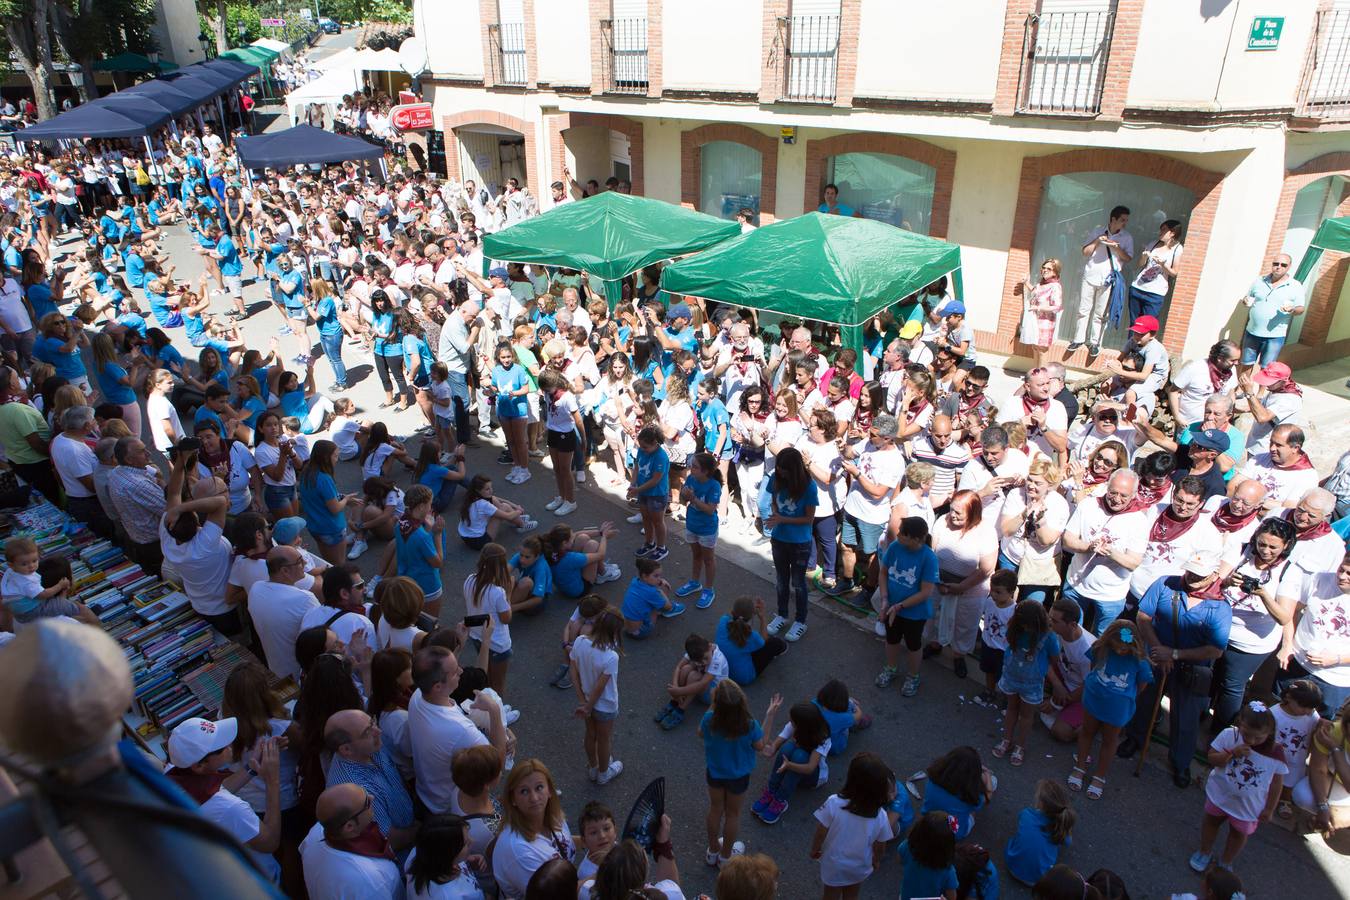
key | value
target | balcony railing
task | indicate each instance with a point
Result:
(1064, 62)
(812, 69)
(508, 53)
(625, 56)
(1325, 90)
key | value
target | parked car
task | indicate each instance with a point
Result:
(329, 26)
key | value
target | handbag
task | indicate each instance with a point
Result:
(1194, 678)
(1029, 332)
(1036, 571)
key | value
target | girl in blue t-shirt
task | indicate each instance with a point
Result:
(115, 383)
(732, 741)
(577, 559)
(929, 855)
(1120, 673)
(532, 579)
(510, 389)
(748, 648)
(842, 714)
(716, 423)
(442, 480)
(702, 494)
(798, 758)
(793, 498)
(417, 545)
(302, 401)
(1031, 646)
(1041, 830)
(958, 785)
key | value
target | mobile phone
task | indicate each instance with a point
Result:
(475, 621)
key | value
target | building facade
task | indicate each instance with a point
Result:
(1011, 127)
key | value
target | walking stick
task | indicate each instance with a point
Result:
(1152, 723)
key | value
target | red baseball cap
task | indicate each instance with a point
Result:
(1145, 324)
(1276, 371)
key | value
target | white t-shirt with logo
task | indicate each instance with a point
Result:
(883, 467)
(1239, 786)
(1323, 626)
(1282, 485)
(976, 475)
(1194, 388)
(1254, 629)
(1056, 419)
(1167, 557)
(1095, 575)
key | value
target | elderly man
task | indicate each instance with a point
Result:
(75, 464)
(277, 607)
(1284, 469)
(1319, 549)
(136, 489)
(799, 339)
(344, 854)
(439, 729)
(1046, 420)
(1237, 517)
(1183, 622)
(1176, 533)
(360, 758)
(107, 461)
(1107, 537)
(994, 471)
(1199, 380)
(1059, 387)
(1281, 403)
(1317, 645)
(571, 299)
(1272, 302)
(867, 509)
(1217, 415)
(1107, 249)
(947, 457)
(740, 364)
(456, 351)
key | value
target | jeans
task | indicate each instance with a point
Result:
(783, 784)
(1097, 614)
(1264, 349)
(332, 348)
(1145, 303)
(1183, 723)
(1333, 696)
(388, 367)
(1233, 670)
(789, 560)
(825, 545)
(459, 402)
(66, 217)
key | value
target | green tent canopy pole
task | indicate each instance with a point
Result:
(613, 293)
(852, 337)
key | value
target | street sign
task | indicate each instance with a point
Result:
(272, 23)
(1265, 33)
(411, 117)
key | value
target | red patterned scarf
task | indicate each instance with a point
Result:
(1167, 528)
(1227, 521)
(200, 787)
(1217, 379)
(1310, 534)
(368, 843)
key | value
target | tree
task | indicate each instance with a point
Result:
(214, 13)
(87, 32)
(26, 28)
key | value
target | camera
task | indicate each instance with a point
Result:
(1250, 585)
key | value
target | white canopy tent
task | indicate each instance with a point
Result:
(275, 46)
(368, 60)
(325, 92)
(343, 59)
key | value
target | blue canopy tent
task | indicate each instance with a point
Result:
(93, 120)
(240, 71)
(178, 97)
(304, 144)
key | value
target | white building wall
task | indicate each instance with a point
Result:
(176, 29)
(562, 31)
(906, 49)
(984, 203)
(712, 45)
(453, 34)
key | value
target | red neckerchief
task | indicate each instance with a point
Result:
(1092, 479)
(913, 411)
(1301, 463)
(1287, 388)
(407, 524)
(1166, 528)
(1310, 534)
(1217, 379)
(1028, 405)
(368, 843)
(963, 408)
(1134, 506)
(200, 787)
(862, 418)
(1144, 497)
(1227, 522)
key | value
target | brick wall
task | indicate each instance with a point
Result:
(536, 176)
(772, 52)
(944, 161)
(599, 9)
(1119, 65)
(846, 65)
(691, 143)
(1010, 57)
(487, 17)
(1205, 185)
(558, 124)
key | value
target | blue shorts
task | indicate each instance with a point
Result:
(599, 716)
(276, 497)
(654, 504)
(422, 381)
(329, 540)
(445, 422)
(1266, 349)
(496, 655)
(863, 536)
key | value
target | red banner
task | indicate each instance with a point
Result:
(412, 117)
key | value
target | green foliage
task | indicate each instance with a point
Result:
(399, 11)
(245, 14)
(109, 27)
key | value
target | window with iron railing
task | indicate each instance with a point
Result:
(1064, 55)
(1325, 91)
(811, 45)
(508, 53)
(625, 57)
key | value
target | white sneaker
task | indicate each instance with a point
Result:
(605, 777)
(737, 849)
(358, 547)
(509, 715)
(609, 573)
(522, 476)
(776, 624)
(553, 504)
(880, 628)
(565, 509)
(513, 476)
(795, 632)
(527, 526)
(635, 518)
(581, 477)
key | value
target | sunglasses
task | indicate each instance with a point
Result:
(1281, 265)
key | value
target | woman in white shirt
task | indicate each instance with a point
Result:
(486, 593)
(615, 399)
(1158, 267)
(967, 552)
(534, 829)
(821, 455)
(1105, 425)
(1033, 518)
(678, 422)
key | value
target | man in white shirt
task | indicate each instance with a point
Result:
(1107, 249)
(344, 856)
(1319, 549)
(1107, 538)
(993, 472)
(1046, 420)
(456, 351)
(1280, 403)
(1176, 533)
(1201, 379)
(278, 609)
(1236, 518)
(75, 463)
(211, 141)
(192, 539)
(1318, 644)
(867, 508)
(571, 298)
(1284, 469)
(439, 729)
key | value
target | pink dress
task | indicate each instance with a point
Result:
(1046, 302)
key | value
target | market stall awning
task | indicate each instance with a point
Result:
(1332, 234)
(369, 60)
(303, 144)
(827, 268)
(178, 97)
(133, 62)
(610, 235)
(233, 68)
(326, 90)
(257, 56)
(94, 120)
(272, 44)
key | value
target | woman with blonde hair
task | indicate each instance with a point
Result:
(115, 382)
(1045, 300)
(534, 828)
(1032, 519)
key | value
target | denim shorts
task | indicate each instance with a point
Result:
(329, 540)
(1263, 349)
(495, 655)
(702, 540)
(276, 496)
(865, 536)
(734, 786)
(654, 504)
(599, 716)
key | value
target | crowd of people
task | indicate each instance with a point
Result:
(1086, 556)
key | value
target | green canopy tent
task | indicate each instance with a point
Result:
(132, 62)
(1332, 234)
(831, 269)
(261, 57)
(610, 235)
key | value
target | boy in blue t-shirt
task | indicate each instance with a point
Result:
(645, 599)
(416, 547)
(533, 578)
(651, 487)
(910, 568)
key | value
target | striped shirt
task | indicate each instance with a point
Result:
(947, 464)
(390, 802)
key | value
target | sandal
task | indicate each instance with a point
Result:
(1094, 791)
(1285, 810)
(1076, 778)
(1018, 756)
(1001, 749)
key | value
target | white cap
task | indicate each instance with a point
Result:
(1202, 562)
(195, 739)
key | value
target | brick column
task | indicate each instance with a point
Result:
(846, 64)
(599, 9)
(773, 52)
(655, 57)
(1119, 65)
(487, 17)
(1011, 56)
(531, 56)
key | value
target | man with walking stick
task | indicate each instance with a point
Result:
(1184, 622)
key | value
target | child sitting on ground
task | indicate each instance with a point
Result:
(798, 755)
(580, 623)
(695, 675)
(598, 836)
(842, 714)
(26, 598)
(645, 599)
(1042, 830)
(533, 578)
